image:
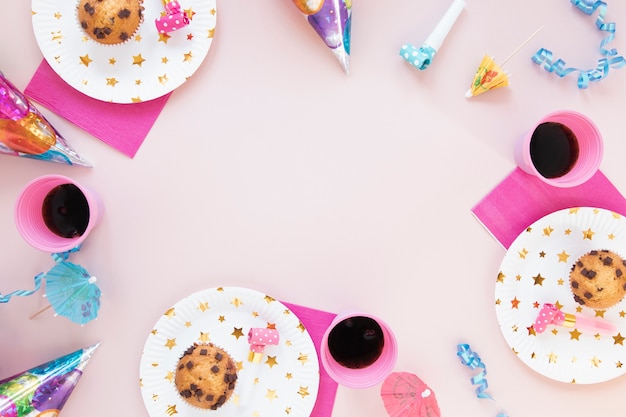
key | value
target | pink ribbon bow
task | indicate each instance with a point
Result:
(258, 338)
(174, 18)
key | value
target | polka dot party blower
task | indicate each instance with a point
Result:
(551, 315)
(173, 19)
(422, 57)
(25, 132)
(258, 338)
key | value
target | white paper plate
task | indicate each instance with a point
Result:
(535, 270)
(288, 375)
(146, 67)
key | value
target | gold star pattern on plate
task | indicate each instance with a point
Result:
(203, 306)
(500, 277)
(164, 60)
(204, 337)
(57, 37)
(138, 60)
(523, 253)
(301, 327)
(552, 357)
(575, 334)
(170, 343)
(112, 81)
(187, 57)
(112, 61)
(269, 299)
(547, 231)
(190, 13)
(271, 361)
(164, 37)
(538, 279)
(600, 313)
(618, 339)
(515, 303)
(187, 324)
(303, 391)
(85, 60)
(221, 319)
(588, 234)
(57, 15)
(303, 358)
(236, 302)
(595, 361)
(171, 410)
(237, 332)
(563, 256)
(211, 33)
(271, 394)
(169, 375)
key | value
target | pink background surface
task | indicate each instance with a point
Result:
(272, 169)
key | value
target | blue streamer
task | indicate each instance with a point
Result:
(609, 60)
(23, 293)
(473, 361)
(57, 257)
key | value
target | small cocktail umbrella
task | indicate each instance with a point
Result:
(44, 389)
(405, 395)
(73, 292)
(70, 290)
(490, 75)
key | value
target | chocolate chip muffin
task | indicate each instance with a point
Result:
(598, 279)
(110, 21)
(206, 376)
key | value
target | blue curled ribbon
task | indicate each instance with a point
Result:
(473, 361)
(23, 293)
(544, 56)
(57, 257)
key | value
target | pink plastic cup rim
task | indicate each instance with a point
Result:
(30, 223)
(591, 149)
(364, 377)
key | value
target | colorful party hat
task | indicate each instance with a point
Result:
(331, 20)
(24, 131)
(43, 390)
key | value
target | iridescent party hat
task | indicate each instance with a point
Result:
(331, 20)
(24, 131)
(44, 389)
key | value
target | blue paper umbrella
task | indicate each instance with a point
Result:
(72, 292)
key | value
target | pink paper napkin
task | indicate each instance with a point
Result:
(122, 126)
(521, 199)
(316, 323)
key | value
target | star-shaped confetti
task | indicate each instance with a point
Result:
(237, 332)
(85, 60)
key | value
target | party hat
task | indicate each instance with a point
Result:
(44, 389)
(331, 20)
(24, 131)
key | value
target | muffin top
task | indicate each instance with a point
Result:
(205, 376)
(110, 22)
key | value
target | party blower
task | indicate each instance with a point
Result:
(551, 315)
(422, 57)
(25, 132)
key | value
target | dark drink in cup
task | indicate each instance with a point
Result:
(65, 211)
(553, 149)
(356, 342)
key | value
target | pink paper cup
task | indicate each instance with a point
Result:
(29, 217)
(362, 377)
(587, 138)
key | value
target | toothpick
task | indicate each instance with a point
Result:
(521, 46)
(40, 311)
